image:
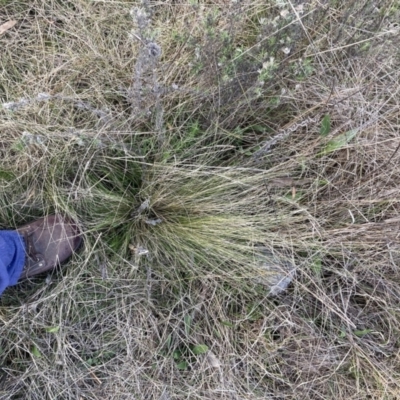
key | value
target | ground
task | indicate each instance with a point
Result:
(197, 143)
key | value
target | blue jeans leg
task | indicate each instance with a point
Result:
(12, 258)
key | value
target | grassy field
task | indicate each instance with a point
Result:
(212, 152)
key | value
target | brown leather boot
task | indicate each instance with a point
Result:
(49, 241)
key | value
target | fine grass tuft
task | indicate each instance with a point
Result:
(233, 168)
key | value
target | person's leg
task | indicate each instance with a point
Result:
(12, 258)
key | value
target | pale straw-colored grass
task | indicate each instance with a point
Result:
(190, 142)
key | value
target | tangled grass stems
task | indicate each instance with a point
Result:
(181, 202)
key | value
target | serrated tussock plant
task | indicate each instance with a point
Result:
(207, 150)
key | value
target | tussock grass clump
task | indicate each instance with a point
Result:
(233, 168)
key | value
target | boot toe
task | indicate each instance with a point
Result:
(50, 241)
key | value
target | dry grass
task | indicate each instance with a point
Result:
(187, 139)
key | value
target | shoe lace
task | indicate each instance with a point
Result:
(35, 256)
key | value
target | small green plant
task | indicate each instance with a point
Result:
(185, 356)
(325, 126)
(338, 142)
